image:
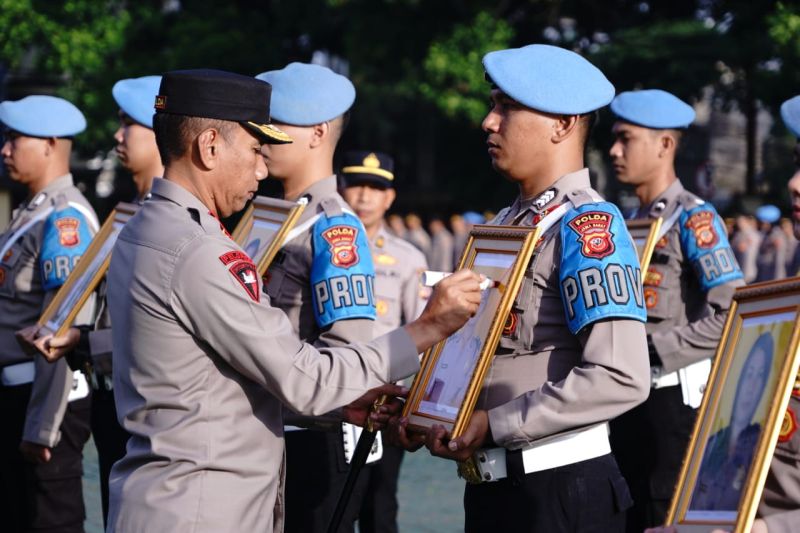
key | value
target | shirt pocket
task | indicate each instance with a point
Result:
(387, 298)
(14, 276)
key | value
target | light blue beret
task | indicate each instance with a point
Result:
(304, 94)
(42, 116)
(790, 113)
(471, 217)
(548, 78)
(653, 108)
(768, 213)
(136, 98)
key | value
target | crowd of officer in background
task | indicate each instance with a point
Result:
(193, 371)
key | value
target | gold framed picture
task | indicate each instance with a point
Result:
(87, 274)
(644, 233)
(743, 408)
(452, 372)
(265, 226)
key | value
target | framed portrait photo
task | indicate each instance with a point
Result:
(265, 226)
(743, 408)
(87, 274)
(644, 233)
(451, 375)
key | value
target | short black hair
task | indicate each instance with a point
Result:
(174, 133)
(587, 122)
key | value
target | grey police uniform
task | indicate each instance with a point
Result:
(688, 290)
(399, 299)
(399, 294)
(547, 383)
(47, 235)
(201, 366)
(316, 459)
(780, 501)
(442, 251)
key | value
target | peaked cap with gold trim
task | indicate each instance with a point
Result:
(371, 168)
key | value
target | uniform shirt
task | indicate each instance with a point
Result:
(745, 244)
(399, 295)
(45, 239)
(780, 502)
(291, 284)
(544, 379)
(202, 363)
(771, 260)
(691, 279)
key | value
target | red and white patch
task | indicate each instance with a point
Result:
(343, 247)
(650, 298)
(594, 230)
(68, 235)
(233, 256)
(662, 243)
(788, 426)
(246, 274)
(702, 224)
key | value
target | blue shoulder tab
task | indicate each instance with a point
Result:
(599, 274)
(705, 243)
(342, 273)
(65, 237)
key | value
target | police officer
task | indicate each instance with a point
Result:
(779, 510)
(44, 407)
(771, 258)
(318, 276)
(88, 348)
(687, 289)
(367, 179)
(202, 362)
(573, 352)
(442, 249)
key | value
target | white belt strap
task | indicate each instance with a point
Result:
(552, 452)
(554, 216)
(80, 387)
(659, 379)
(23, 229)
(19, 374)
(667, 225)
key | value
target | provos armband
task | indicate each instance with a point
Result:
(65, 237)
(599, 273)
(706, 246)
(342, 273)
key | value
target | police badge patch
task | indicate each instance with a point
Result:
(594, 232)
(788, 427)
(702, 224)
(342, 242)
(246, 274)
(68, 231)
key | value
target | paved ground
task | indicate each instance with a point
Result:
(430, 494)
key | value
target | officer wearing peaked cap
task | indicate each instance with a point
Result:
(88, 348)
(687, 290)
(45, 409)
(202, 363)
(367, 181)
(315, 277)
(573, 353)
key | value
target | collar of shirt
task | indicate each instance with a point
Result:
(171, 191)
(379, 241)
(554, 195)
(58, 184)
(320, 189)
(665, 204)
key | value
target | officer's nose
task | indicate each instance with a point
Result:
(616, 150)
(490, 122)
(6, 151)
(119, 135)
(262, 171)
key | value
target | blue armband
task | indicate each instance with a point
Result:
(599, 274)
(342, 273)
(65, 237)
(705, 243)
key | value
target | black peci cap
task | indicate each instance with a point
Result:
(372, 168)
(220, 95)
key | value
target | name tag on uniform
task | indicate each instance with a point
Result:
(80, 387)
(350, 435)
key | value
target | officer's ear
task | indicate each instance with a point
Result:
(207, 146)
(564, 127)
(320, 133)
(667, 143)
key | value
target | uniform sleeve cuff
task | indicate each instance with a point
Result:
(44, 435)
(505, 424)
(401, 354)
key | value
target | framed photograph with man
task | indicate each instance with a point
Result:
(265, 226)
(742, 413)
(452, 372)
(59, 315)
(644, 233)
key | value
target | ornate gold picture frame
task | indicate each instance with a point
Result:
(452, 372)
(644, 233)
(743, 408)
(265, 226)
(87, 274)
